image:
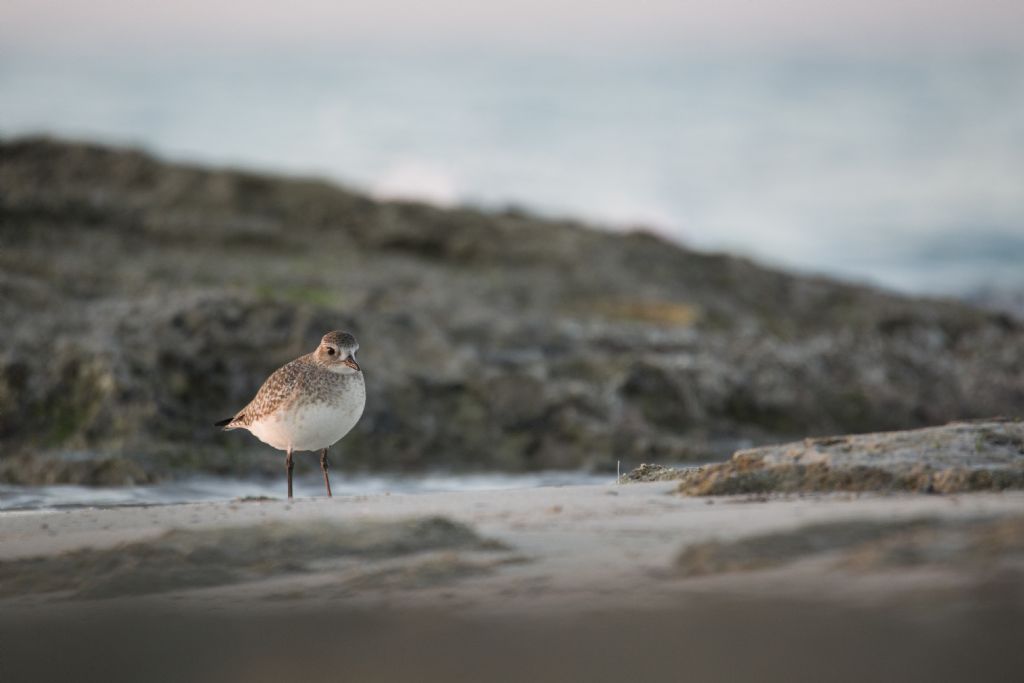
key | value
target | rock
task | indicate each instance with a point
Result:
(650, 472)
(959, 457)
(101, 471)
(142, 301)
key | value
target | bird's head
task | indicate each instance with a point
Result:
(337, 352)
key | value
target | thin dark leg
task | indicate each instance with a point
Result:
(324, 465)
(288, 464)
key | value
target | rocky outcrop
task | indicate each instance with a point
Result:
(140, 301)
(648, 472)
(959, 457)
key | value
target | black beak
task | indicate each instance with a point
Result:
(351, 362)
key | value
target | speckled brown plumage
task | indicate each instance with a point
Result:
(341, 339)
(306, 380)
(300, 382)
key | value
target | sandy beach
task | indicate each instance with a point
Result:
(633, 567)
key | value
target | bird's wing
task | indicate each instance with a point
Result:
(278, 388)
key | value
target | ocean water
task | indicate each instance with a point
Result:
(208, 488)
(902, 171)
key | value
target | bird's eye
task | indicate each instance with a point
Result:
(330, 351)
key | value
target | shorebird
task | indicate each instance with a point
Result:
(308, 404)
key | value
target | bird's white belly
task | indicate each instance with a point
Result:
(310, 427)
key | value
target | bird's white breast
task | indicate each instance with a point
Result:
(312, 426)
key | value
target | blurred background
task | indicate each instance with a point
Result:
(879, 144)
(882, 142)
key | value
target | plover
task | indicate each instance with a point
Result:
(309, 404)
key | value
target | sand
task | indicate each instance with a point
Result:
(634, 568)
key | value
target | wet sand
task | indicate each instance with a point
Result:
(582, 582)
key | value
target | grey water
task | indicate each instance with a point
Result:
(901, 170)
(208, 488)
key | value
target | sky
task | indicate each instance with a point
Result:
(112, 25)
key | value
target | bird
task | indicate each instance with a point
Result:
(308, 404)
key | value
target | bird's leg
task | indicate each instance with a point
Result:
(289, 465)
(324, 465)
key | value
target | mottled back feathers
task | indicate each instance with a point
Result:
(301, 381)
